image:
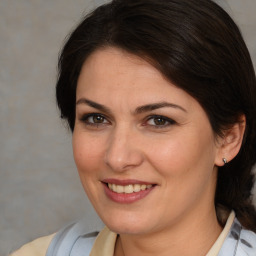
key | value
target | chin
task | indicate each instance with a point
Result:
(126, 225)
(127, 229)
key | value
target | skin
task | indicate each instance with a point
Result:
(179, 156)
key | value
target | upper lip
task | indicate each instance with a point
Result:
(126, 182)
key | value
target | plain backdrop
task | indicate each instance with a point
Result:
(40, 191)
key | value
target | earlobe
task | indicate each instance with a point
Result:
(230, 143)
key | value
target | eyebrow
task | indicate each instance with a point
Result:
(150, 107)
(138, 110)
(94, 105)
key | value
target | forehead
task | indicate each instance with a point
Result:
(119, 60)
(106, 67)
(109, 74)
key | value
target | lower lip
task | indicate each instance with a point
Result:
(123, 198)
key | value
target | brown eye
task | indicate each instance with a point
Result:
(94, 119)
(97, 119)
(159, 121)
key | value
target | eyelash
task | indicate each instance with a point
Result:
(167, 121)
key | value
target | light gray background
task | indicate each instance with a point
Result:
(39, 187)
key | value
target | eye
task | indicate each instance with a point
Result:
(94, 119)
(97, 119)
(159, 121)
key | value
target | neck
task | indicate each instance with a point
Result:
(194, 237)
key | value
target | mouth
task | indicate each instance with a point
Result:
(128, 189)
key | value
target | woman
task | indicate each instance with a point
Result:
(161, 99)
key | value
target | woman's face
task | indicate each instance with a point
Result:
(144, 148)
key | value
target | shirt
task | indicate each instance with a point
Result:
(73, 240)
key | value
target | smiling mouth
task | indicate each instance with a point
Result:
(128, 189)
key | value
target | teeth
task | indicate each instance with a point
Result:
(143, 187)
(119, 189)
(136, 188)
(128, 189)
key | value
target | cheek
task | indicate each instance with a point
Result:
(87, 156)
(170, 160)
(184, 153)
(87, 151)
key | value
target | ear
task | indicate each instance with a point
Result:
(230, 144)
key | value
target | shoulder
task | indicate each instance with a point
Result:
(74, 238)
(240, 241)
(37, 247)
(247, 243)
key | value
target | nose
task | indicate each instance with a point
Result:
(123, 150)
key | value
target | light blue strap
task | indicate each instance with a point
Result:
(72, 240)
(239, 242)
(247, 243)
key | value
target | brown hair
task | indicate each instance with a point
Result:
(198, 47)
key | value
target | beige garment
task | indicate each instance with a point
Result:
(219, 242)
(37, 247)
(104, 244)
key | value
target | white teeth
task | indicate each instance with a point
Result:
(119, 189)
(128, 189)
(136, 188)
(143, 187)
